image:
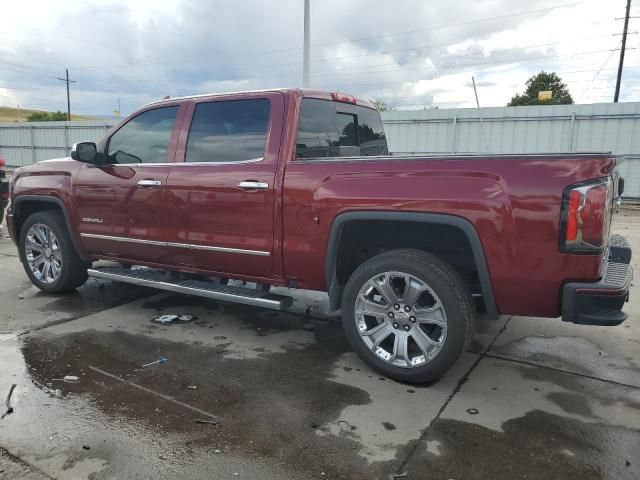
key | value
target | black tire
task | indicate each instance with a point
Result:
(73, 271)
(444, 281)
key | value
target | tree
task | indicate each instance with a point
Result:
(541, 82)
(47, 116)
(381, 105)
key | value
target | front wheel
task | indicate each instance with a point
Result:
(408, 314)
(48, 254)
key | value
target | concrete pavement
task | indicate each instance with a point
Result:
(532, 398)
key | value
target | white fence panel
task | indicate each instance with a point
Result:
(604, 127)
(25, 143)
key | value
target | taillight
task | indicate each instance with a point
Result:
(586, 215)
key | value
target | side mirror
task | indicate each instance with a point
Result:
(84, 152)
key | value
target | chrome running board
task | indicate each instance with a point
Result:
(163, 280)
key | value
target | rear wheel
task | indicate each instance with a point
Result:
(48, 255)
(408, 314)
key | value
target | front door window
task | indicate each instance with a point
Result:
(144, 138)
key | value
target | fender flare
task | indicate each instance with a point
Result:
(19, 200)
(335, 289)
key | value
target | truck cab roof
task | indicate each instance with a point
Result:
(297, 92)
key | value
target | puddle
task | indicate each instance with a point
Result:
(265, 408)
(536, 446)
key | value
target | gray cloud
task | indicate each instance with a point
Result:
(136, 52)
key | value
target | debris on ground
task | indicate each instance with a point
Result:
(170, 318)
(207, 422)
(473, 411)
(159, 361)
(86, 447)
(8, 402)
(54, 393)
(192, 387)
(67, 379)
(396, 476)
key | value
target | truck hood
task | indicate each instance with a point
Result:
(57, 164)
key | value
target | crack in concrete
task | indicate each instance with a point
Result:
(4, 453)
(555, 369)
(153, 392)
(446, 403)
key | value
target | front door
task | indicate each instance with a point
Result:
(121, 205)
(220, 191)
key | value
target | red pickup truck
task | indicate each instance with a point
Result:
(296, 188)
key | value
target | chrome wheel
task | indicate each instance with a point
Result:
(401, 319)
(43, 254)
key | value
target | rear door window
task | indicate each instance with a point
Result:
(228, 131)
(332, 129)
(371, 137)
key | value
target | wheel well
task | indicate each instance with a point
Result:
(28, 208)
(357, 236)
(361, 240)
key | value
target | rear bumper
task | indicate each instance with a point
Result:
(600, 303)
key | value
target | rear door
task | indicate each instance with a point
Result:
(220, 191)
(121, 206)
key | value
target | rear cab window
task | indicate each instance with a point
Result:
(335, 129)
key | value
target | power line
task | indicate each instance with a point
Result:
(491, 62)
(319, 72)
(326, 59)
(349, 41)
(600, 69)
(406, 32)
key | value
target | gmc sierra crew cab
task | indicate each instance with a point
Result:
(296, 188)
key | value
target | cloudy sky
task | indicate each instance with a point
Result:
(410, 53)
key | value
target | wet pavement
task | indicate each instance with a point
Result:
(250, 393)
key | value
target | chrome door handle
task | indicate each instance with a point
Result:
(149, 183)
(249, 185)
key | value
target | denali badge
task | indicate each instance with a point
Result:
(92, 220)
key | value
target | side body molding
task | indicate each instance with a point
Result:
(334, 288)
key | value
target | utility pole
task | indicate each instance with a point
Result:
(307, 47)
(67, 81)
(19, 114)
(622, 47)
